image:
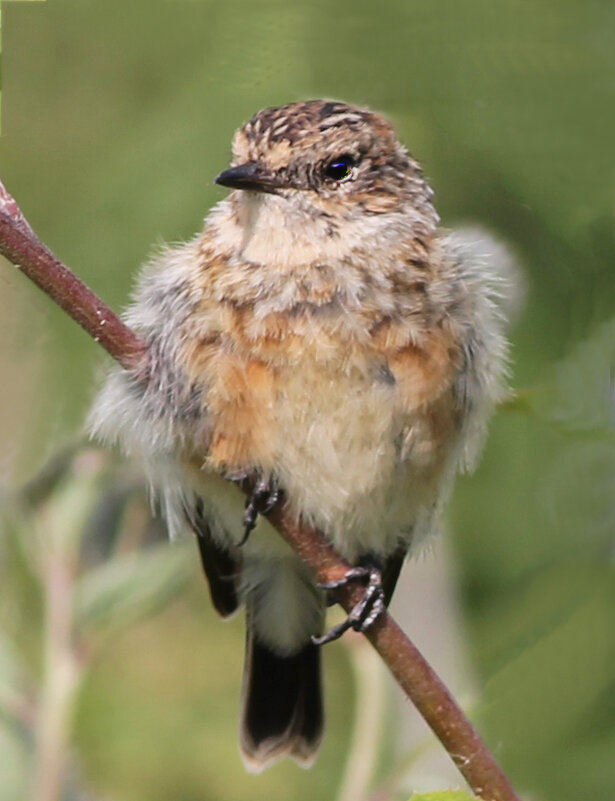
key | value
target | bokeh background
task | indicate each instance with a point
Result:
(114, 673)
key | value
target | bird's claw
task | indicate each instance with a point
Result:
(366, 612)
(261, 501)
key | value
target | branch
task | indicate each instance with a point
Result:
(20, 245)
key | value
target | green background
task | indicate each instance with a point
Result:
(116, 117)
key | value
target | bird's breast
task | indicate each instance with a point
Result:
(357, 440)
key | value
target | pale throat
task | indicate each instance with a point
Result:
(287, 233)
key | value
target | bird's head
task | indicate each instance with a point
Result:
(327, 159)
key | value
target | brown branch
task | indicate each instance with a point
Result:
(22, 247)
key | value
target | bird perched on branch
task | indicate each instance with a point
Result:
(325, 342)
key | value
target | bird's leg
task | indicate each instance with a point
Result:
(373, 604)
(264, 496)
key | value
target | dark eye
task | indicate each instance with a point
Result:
(340, 169)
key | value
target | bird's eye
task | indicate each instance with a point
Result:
(340, 169)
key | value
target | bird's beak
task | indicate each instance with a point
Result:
(252, 176)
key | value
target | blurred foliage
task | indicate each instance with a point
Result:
(116, 118)
(62, 603)
(447, 795)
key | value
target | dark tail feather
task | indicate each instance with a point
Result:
(221, 571)
(282, 712)
(220, 567)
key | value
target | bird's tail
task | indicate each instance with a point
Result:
(282, 710)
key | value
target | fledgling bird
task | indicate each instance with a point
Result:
(324, 339)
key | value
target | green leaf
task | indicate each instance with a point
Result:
(130, 587)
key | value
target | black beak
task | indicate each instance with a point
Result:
(252, 176)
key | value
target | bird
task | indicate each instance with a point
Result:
(325, 342)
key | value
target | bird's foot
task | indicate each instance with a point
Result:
(369, 608)
(264, 496)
